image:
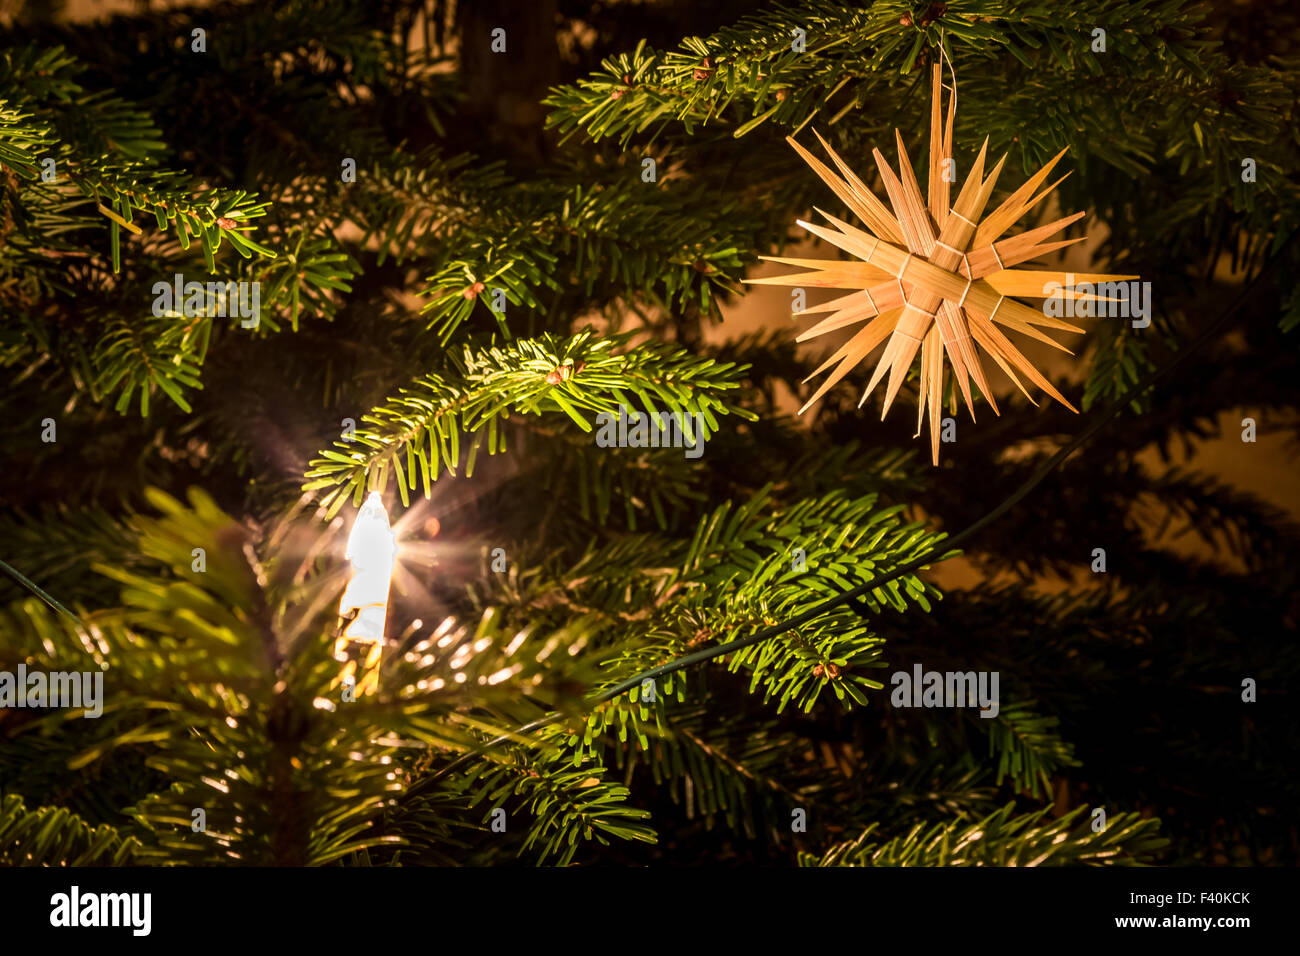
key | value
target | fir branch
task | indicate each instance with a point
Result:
(52, 836)
(424, 426)
(108, 162)
(567, 798)
(1026, 745)
(1005, 839)
(755, 72)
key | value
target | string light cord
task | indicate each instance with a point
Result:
(38, 591)
(853, 596)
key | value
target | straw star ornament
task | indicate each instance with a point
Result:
(934, 278)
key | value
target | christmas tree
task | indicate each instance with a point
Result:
(273, 276)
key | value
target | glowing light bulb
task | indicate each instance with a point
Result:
(372, 549)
